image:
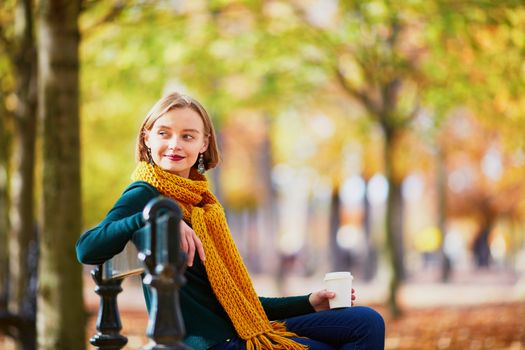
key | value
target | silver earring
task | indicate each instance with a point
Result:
(150, 158)
(200, 166)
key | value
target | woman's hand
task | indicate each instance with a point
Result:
(319, 299)
(190, 243)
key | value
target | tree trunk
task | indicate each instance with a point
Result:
(61, 316)
(22, 222)
(446, 267)
(268, 211)
(340, 259)
(481, 248)
(370, 264)
(4, 222)
(394, 227)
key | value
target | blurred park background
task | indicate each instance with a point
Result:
(386, 138)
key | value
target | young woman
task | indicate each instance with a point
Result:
(176, 144)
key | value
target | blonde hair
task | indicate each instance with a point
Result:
(165, 104)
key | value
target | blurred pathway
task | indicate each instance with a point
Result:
(465, 288)
(422, 290)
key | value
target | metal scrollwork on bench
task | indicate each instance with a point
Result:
(164, 266)
(165, 275)
(108, 336)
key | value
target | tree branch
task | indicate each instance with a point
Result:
(358, 94)
(86, 5)
(6, 44)
(115, 10)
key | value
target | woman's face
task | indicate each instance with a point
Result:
(176, 139)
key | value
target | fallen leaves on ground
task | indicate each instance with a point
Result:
(490, 327)
(479, 327)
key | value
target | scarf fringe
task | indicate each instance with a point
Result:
(273, 341)
(276, 339)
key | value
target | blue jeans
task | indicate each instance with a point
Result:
(353, 328)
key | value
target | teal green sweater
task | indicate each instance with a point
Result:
(205, 320)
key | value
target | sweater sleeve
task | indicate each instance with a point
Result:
(282, 308)
(110, 236)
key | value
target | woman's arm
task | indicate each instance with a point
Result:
(281, 308)
(110, 236)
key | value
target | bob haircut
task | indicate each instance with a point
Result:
(171, 101)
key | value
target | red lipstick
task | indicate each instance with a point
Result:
(174, 157)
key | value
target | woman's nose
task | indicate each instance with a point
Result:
(173, 144)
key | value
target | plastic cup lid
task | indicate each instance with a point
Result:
(337, 275)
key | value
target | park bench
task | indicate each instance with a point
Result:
(163, 265)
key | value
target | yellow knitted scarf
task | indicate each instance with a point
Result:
(226, 271)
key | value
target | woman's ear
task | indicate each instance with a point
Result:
(205, 145)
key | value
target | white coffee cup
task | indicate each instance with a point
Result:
(341, 284)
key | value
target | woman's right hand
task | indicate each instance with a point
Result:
(190, 243)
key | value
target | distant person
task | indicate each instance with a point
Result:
(176, 145)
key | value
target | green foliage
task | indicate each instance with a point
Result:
(123, 74)
(275, 57)
(226, 64)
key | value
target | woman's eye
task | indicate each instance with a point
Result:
(188, 137)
